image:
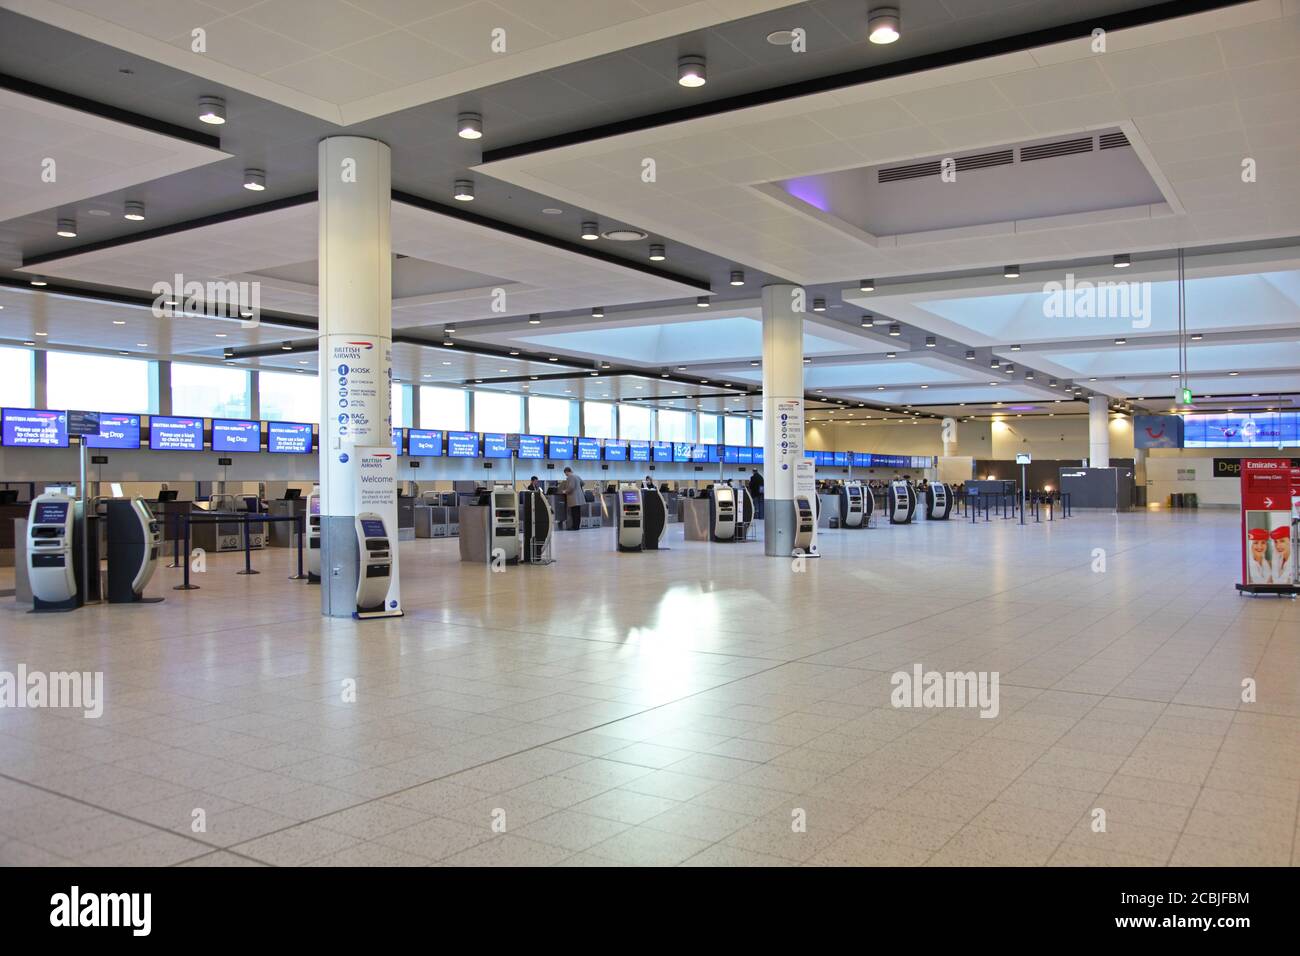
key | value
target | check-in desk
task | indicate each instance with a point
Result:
(225, 535)
(698, 525)
(9, 514)
(165, 513)
(405, 517)
(280, 534)
(829, 514)
(436, 520)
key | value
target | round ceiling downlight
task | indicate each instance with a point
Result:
(624, 235)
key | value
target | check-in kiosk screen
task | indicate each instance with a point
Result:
(229, 435)
(175, 434)
(588, 449)
(373, 528)
(51, 512)
(422, 443)
(559, 448)
(115, 431)
(287, 438)
(494, 445)
(663, 451)
(532, 446)
(315, 505)
(615, 451)
(33, 428)
(462, 444)
(631, 498)
(638, 451)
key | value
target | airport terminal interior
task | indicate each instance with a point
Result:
(649, 433)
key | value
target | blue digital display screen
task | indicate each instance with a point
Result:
(462, 444)
(841, 458)
(175, 434)
(532, 446)
(494, 445)
(699, 453)
(232, 435)
(638, 451)
(115, 431)
(713, 453)
(423, 443)
(730, 455)
(745, 455)
(663, 451)
(588, 449)
(682, 451)
(33, 428)
(559, 448)
(373, 528)
(1260, 430)
(615, 450)
(288, 438)
(758, 454)
(51, 512)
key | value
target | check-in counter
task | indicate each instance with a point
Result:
(228, 535)
(405, 517)
(436, 521)
(279, 534)
(165, 513)
(830, 511)
(9, 535)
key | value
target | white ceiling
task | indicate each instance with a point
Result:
(348, 61)
(1194, 95)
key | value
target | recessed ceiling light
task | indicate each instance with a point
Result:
(590, 231)
(42, 334)
(119, 322)
(1011, 272)
(67, 228)
(535, 319)
(469, 126)
(895, 330)
(598, 313)
(890, 355)
(463, 191)
(30, 342)
(1121, 261)
(868, 321)
(819, 305)
(691, 72)
(1234, 374)
(624, 235)
(883, 25)
(133, 211)
(552, 211)
(255, 179)
(781, 37)
(657, 252)
(737, 277)
(446, 362)
(212, 110)
(1197, 336)
(98, 213)
(553, 358)
(39, 281)
(867, 285)
(930, 342)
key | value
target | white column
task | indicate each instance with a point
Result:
(783, 414)
(355, 353)
(1098, 432)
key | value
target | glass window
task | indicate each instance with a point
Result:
(735, 431)
(597, 420)
(634, 422)
(400, 412)
(288, 397)
(96, 383)
(709, 429)
(550, 416)
(211, 390)
(16, 379)
(674, 425)
(498, 412)
(444, 408)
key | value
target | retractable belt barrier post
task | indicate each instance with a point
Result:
(298, 520)
(176, 540)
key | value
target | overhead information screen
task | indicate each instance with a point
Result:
(758, 454)
(231, 435)
(681, 452)
(462, 444)
(115, 431)
(559, 448)
(288, 438)
(494, 445)
(663, 451)
(588, 449)
(745, 455)
(615, 450)
(638, 451)
(730, 454)
(175, 434)
(33, 428)
(423, 443)
(841, 458)
(532, 446)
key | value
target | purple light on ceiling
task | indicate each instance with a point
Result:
(1023, 408)
(809, 190)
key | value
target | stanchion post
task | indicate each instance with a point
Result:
(185, 582)
(248, 554)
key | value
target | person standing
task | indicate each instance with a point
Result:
(573, 497)
(756, 492)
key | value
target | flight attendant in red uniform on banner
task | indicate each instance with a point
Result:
(1258, 568)
(1283, 556)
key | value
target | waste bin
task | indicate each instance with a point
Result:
(1191, 499)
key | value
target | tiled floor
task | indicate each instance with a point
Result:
(703, 706)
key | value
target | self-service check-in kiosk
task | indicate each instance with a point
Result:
(376, 564)
(654, 519)
(853, 513)
(539, 522)
(938, 502)
(805, 524)
(722, 513)
(902, 502)
(313, 536)
(503, 523)
(134, 540)
(51, 552)
(630, 519)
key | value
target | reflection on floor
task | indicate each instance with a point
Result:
(706, 705)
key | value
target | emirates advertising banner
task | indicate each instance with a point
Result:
(1268, 561)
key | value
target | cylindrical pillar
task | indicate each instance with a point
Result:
(355, 354)
(783, 413)
(1098, 432)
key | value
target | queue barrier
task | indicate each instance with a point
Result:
(246, 519)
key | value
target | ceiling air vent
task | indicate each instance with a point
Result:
(1000, 157)
(1116, 140)
(1063, 147)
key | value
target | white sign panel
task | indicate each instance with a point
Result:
(376, 494)
(357, 382)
